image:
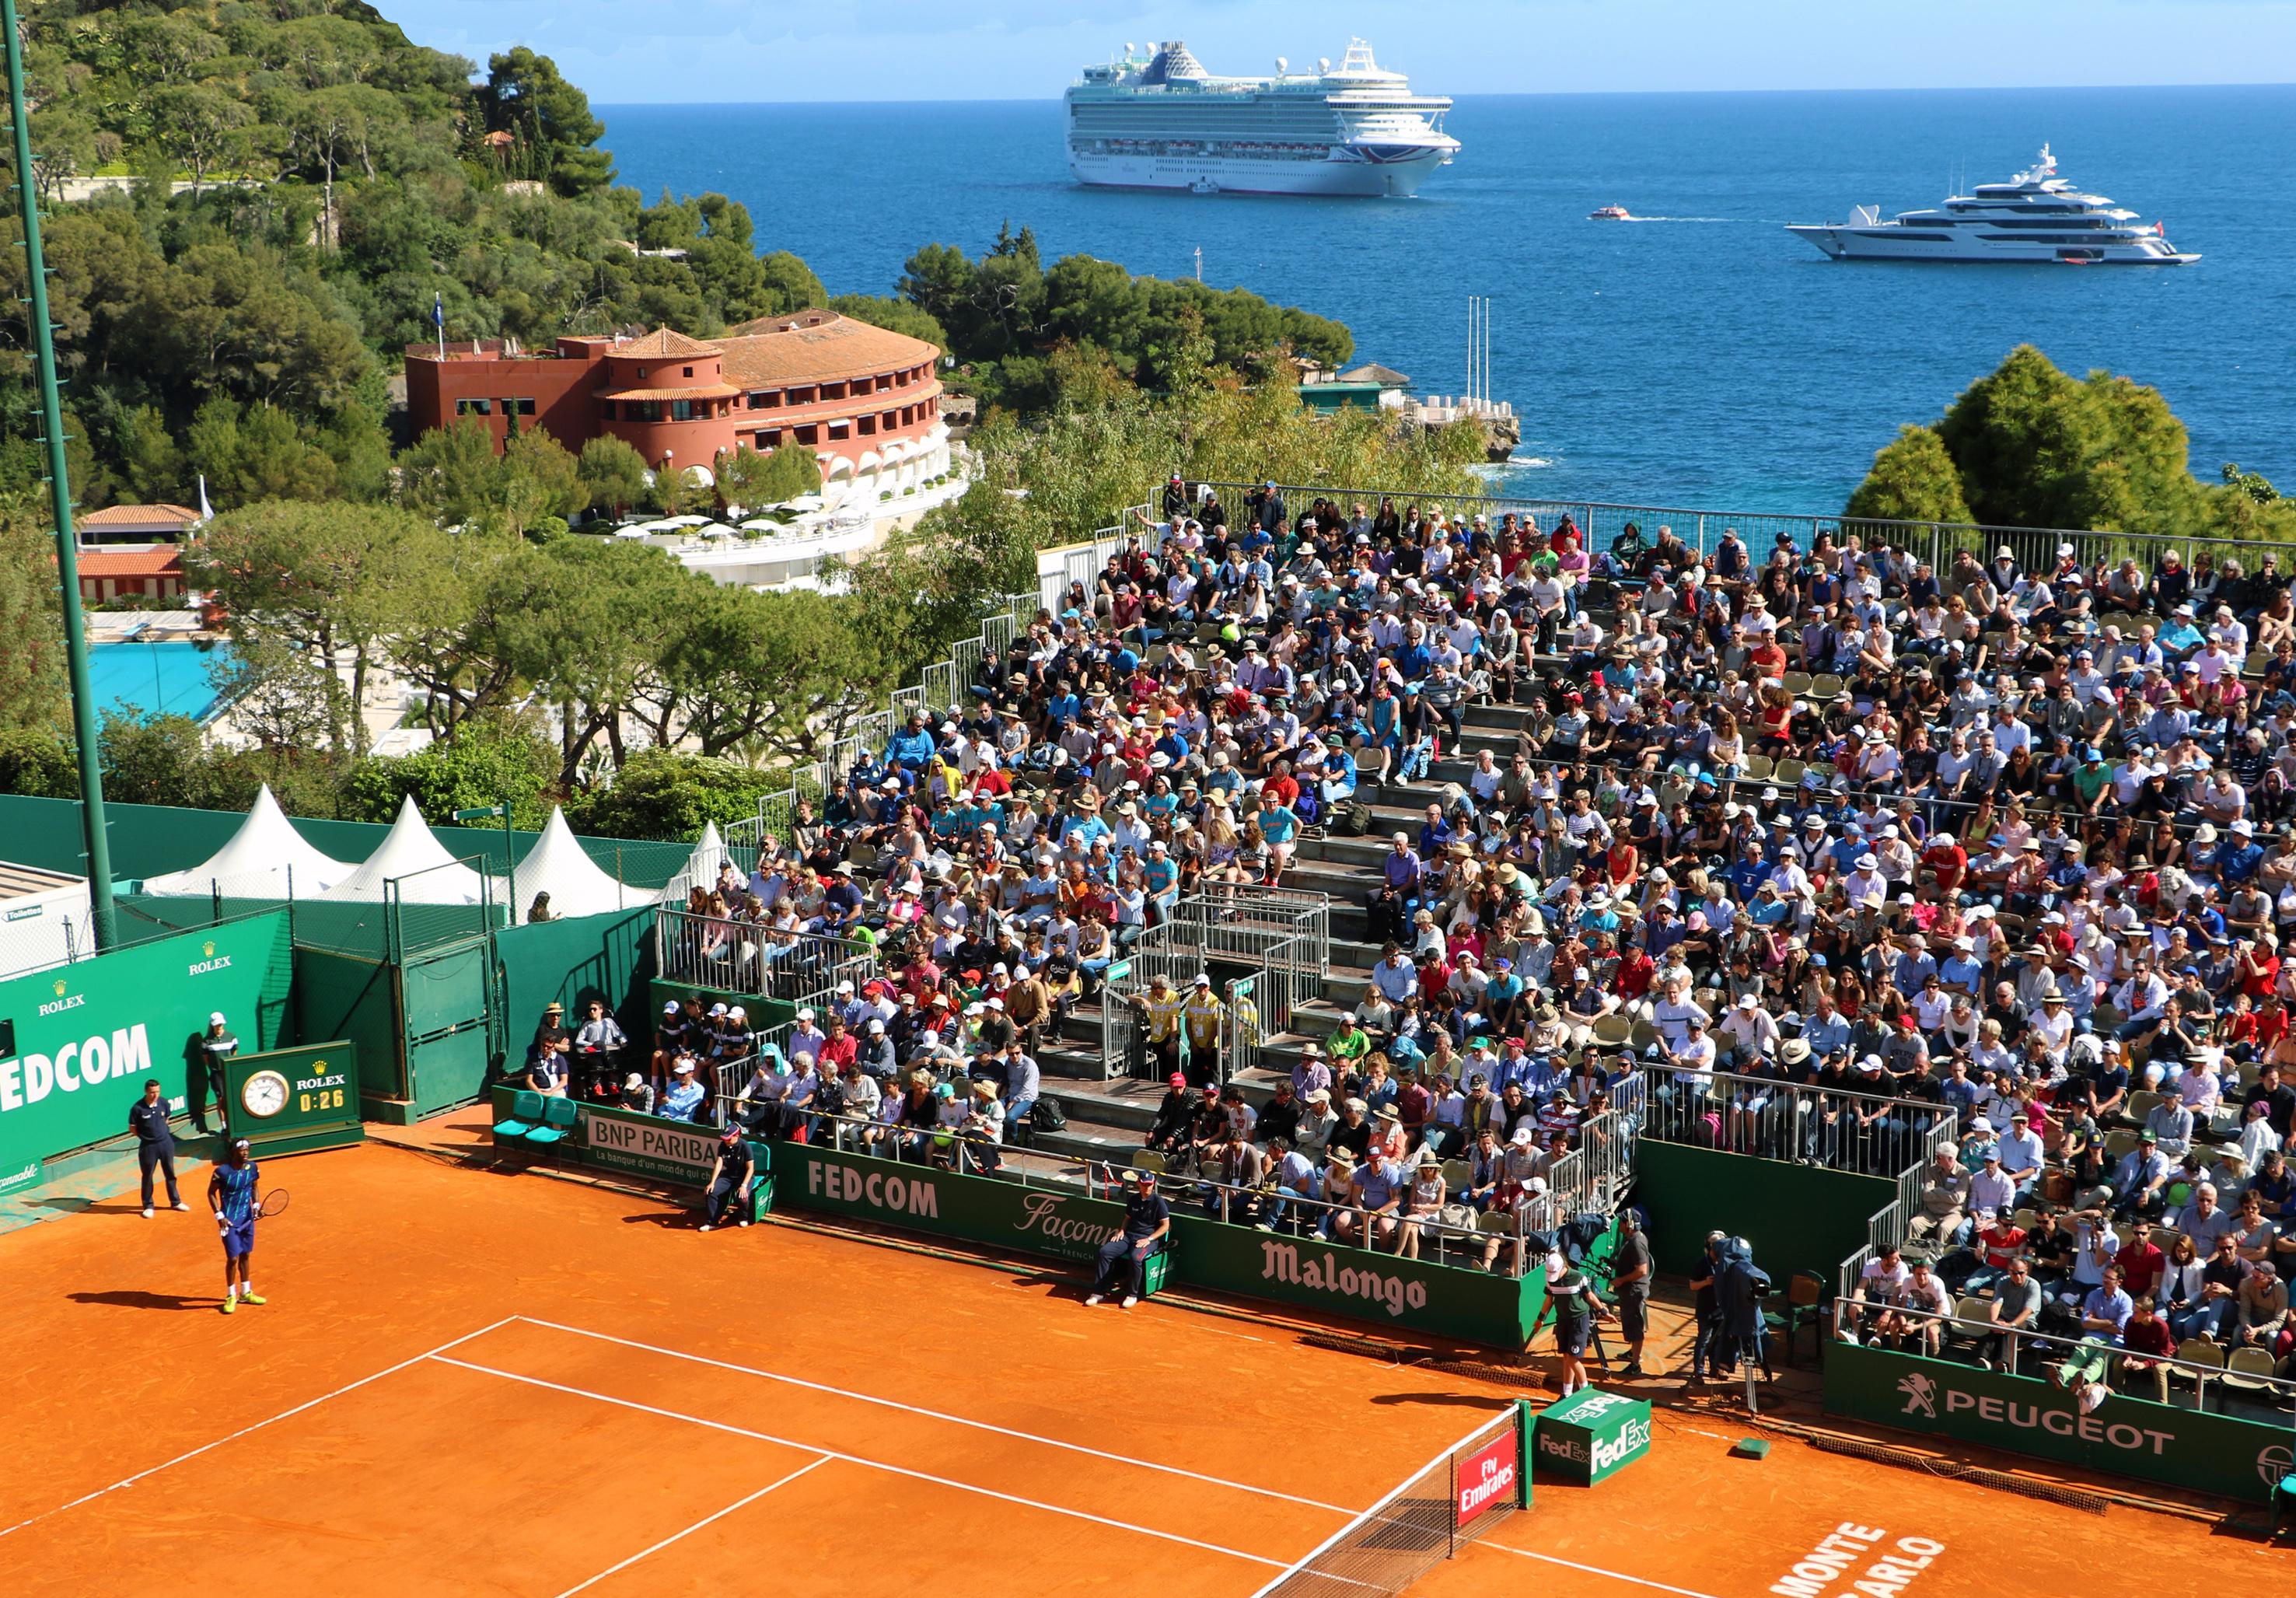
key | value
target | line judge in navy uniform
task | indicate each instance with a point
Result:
(155, 1144)
(1147, 1221)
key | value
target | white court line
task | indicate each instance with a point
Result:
(259, 1425)
(1030, 1437)
(1640, 1581)
(697, 1525)
(856, 1459)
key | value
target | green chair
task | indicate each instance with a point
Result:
(1805, 1305)
(557, 1122)
(2284, 1504)
(526, 1112)
(1153, 1270)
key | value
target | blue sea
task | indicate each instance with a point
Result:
(1705, 358)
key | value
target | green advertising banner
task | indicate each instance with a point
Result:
(980, 1209)
(89, 1033)
(1474, 1307)
(2223, 1455)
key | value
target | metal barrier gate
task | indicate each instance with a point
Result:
(1282, 934)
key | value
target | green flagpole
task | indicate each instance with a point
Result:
(91, 769)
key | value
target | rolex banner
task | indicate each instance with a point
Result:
(2232, 1456)
(88, 1034)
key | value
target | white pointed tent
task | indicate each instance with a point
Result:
(557, 865)
(266, 858)
(701, 865)
(407, 850)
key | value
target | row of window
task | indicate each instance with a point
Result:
(864, 427)
(884, 382)
(486, 407)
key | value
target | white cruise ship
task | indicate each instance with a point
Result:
(2035, 215)
(1160, 121)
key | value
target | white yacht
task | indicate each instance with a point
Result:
(1162, 121)
(2035, 215)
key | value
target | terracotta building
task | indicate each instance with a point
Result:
(864, 399)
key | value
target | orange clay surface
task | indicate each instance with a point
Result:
(466, 1381)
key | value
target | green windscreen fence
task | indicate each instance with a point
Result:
(341, 996)
(572, 962)
(1797, 1218)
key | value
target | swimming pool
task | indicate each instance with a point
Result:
(166, 677)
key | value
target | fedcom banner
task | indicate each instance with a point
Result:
(2231, 1457)
(88, 1034)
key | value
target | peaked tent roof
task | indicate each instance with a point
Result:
(709, 854)
(409, 848)
(266, 858)
(560, 867)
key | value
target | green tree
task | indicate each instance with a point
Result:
(200, 125)
(332, 580)
(785, 672)
(31, 620)
(754, 480)
(483, 766)
(659, 793)
(557, 136)
(451, 474)
(541, 482)
(612, 473)
(1913, 480)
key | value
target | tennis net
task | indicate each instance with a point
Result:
(1457, 1496)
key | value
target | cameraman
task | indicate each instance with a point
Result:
(1706, 1307)
(1740, 1286)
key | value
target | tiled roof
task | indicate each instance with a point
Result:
(810, 346)
(137, 516)
(661, 341)
(165, 561)
(690, 391)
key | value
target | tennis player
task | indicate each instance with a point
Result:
(231, 1195)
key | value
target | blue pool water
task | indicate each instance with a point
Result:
(1706, 358)
(166, 678)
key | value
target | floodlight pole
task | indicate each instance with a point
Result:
(91, 767)
(484, 811)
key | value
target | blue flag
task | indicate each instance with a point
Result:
(439, 312)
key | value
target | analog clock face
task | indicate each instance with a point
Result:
(264, 1094)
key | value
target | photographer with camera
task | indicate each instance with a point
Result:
(1740, 1286)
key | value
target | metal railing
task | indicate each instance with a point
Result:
(1940, 1336)
(1876, 1133)
(1600, 523)
(736, 955)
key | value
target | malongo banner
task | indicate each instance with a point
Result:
(2225, 1454)
(89, 1033)
(1468, 1305)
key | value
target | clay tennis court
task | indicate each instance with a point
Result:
(467, 1381)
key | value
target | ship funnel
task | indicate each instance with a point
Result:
(1283, 65)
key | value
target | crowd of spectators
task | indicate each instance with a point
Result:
(1999, 852)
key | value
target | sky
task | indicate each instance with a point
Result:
(636, 52)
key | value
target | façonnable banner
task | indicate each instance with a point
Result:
(89, 1033)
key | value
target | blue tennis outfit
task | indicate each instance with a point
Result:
(238, 1195)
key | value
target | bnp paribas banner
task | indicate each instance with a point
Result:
(2223, 1454)
(89, 1033)
(1380, 1287)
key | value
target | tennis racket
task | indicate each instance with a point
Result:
(274, 1202)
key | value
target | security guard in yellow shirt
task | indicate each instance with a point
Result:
(1202, 1016)
(1160, 1010)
